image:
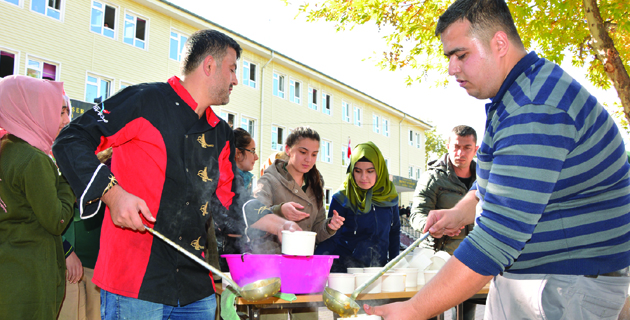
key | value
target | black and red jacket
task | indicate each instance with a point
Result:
(181, 165)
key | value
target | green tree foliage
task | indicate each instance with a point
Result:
(435, 145)
(595, 34)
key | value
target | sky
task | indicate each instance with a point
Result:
(350, 56)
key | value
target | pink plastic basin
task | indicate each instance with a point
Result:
(248, 268)
(302, 275)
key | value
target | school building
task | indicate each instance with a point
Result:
(97, 47)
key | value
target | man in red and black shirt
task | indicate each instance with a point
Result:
(173, 162)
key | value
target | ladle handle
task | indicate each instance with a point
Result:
(388, 266)
(192, 256)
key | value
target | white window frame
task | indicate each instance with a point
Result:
(274, 129)
(116, 13)
(410, 173)
(418, 140)
(326, 152)
(328, 194)
(387, 164)
(16, 59)
(123, 84)
(410, 137)
(418, 173)
(99, 77)
(180, 43)
(376, 123)
(253, 122)
(48, 10)
(250, 83)
(42, 61)
(20, 4)
(328, 110)
(346, 116)
(135, 40)
(385, 127)
(279, 84)
(313, 93)
(226, 117)
(344, 155)
(357, 116)
(292, 91)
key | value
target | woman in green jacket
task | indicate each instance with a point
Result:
(35, 200)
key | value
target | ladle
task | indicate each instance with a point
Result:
(258, 290)
(347, 306)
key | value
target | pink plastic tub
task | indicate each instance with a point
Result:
(302, 275)
(248, 268)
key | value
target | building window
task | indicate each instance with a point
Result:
(40, 69)
(387, 164)
(410, 172)
(386, 127)
(249, 74)
(278, 85)
(344, 155)
(228, 117)
(7, 64)
(177, 46)
(135, 31)
(50, 8)
(411, 138)
(326, 151)
(357, 116)
(418, 173)
(312, 98)
(103, 20)
(277, 138)
(345, 111)
(326, 103)
(418, 140)
(15, 2)
(248, 125)
(295, 91)
(328, 196)
(376, 123)
(97, 89)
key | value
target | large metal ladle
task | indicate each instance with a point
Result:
(347, 306)
(258, 290)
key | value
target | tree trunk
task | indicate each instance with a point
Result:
(605, 52)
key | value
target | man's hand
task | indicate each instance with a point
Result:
(290, 211)
(394, 311)
(74, 268)
(444, 222)
(124, 208)
(288, 225)
(336, 222)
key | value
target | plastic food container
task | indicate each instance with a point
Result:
(300, 275)
(372, 269)
(298, 243)
(429, 274)
(366, 317)
(361, 278)
(248, 268)
(224, 283)
(355, 270)
(393, 282)
(342, 282)
(411, 276)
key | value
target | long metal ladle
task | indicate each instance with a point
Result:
(347, 306)
(258, 290)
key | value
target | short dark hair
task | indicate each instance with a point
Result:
(242, 139)
(486, 17)
(204, 43)
(464, 131)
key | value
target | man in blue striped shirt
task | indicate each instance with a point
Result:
(553, 188)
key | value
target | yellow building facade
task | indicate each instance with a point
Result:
(98, 47)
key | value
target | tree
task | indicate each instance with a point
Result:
(434, 146)
(597, 34)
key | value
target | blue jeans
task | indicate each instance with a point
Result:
(115, 307)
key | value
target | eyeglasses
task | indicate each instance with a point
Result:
(253, 151)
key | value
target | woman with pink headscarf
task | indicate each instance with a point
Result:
(36, 202)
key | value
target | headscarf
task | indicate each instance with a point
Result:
(30, 109)
(382, 194)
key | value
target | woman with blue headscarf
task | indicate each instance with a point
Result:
(370, 236)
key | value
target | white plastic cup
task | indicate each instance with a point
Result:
(361, 278)
(342, 282)
(355, 270)
(411, 276)
(436, 263)
(420, 261)
(224, 283)
(372, 269)
(429, 274)
(393, 282)
(298, 243)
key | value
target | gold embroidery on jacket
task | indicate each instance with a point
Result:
(195, 244)
(204, 209)
(262, 209)
(202, 141)
(203, 174)
(112, 183)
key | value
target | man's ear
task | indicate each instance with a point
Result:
(208, 65)
(500, 43)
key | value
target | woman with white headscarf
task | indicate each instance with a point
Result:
(36, 202)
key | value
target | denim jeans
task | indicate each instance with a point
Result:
(115, 307)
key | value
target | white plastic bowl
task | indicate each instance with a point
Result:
(393, 282)
(403, 263)
(298, 243)
(355, 270)
(442, 254)
(411, 276)
(361, 278)
(342, 282)
(429, 274)
(437, 263)
(420, 261)
(423, 251)
(225, 283)
(372, 269)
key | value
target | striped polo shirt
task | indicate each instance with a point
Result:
(553, 176)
